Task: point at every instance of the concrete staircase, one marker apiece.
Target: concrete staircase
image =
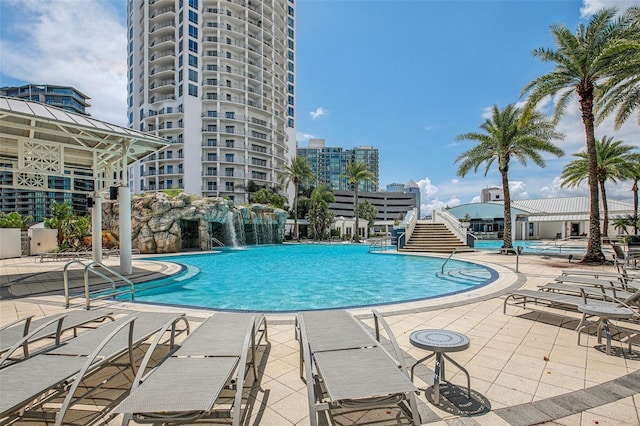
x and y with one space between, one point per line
435 238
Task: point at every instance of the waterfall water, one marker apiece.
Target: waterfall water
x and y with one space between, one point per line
231 229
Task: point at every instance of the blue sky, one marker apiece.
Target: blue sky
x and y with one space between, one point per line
404 76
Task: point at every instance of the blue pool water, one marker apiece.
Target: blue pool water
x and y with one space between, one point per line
538 247
285 278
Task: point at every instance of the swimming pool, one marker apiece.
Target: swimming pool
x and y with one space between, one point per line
539 247
286 278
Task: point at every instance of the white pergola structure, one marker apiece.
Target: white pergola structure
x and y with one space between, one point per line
38 141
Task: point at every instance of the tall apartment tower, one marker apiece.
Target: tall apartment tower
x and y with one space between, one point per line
329 164
217 79
65 97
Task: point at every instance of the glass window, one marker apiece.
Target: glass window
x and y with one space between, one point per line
193 17
193 75
193 31
228 158
193 60
193 46
193 90
193 3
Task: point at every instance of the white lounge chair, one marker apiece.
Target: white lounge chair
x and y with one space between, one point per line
343 365
186 385
25 386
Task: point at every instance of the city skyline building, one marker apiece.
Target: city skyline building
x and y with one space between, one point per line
37 203
329 164
64 97
217 79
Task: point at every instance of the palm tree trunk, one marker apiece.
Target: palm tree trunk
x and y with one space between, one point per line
605 210
295 214
508 240
594 244
356 235
635 205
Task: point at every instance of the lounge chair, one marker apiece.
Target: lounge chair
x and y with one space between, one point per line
625 258
186 385
27 385
344 366
26 330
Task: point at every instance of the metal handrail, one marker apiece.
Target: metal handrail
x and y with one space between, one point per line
215 240
90 268
448 259
65 280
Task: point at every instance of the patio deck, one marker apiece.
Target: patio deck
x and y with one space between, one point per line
526 367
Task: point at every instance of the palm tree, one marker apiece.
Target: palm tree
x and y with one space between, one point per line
61 215
582 61
357 172
506 135
622 90
634 175
320 217
613 162
296 173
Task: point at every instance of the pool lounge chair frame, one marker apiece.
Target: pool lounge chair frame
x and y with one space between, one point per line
185 386
28 385
22 332
344 366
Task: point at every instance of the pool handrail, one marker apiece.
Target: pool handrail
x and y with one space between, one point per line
90 267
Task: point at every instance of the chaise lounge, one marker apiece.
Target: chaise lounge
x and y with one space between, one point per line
344 366
26 386
187 384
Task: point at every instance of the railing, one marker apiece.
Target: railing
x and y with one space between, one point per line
380 244
101 293
452 223
214 242
447 261
410 220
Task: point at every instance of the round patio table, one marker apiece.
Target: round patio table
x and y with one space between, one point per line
440 342
604 311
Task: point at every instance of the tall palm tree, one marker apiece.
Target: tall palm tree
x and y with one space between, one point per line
582 61
357 172
634 175
506 135
299 171
621 91
613 163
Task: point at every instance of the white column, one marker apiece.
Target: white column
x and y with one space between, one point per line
124 198
96 228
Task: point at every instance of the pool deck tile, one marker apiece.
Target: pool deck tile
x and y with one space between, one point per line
527 365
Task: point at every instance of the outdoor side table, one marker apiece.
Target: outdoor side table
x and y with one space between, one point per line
604 312
440 342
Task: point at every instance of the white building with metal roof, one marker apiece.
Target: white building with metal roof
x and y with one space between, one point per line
544 218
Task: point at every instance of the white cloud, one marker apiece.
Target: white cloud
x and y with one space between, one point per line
590 7
301 137
427 189
476 199
319 112
73 43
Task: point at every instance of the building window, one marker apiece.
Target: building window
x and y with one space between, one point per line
193 17
193 31
228 186
228 158
193 75
193 4
230 114
228 171
193 60
193 90
193 46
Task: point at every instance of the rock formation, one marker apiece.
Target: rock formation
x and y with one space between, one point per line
161 223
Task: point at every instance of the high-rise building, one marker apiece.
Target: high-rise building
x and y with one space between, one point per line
64 97
37 203
217 79
329 164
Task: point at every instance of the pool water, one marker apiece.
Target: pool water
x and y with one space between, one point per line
538 247
285 278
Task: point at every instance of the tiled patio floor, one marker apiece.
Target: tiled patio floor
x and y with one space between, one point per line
526 366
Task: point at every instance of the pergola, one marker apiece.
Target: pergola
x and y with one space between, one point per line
38 141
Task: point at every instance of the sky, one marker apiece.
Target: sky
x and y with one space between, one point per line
404 76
